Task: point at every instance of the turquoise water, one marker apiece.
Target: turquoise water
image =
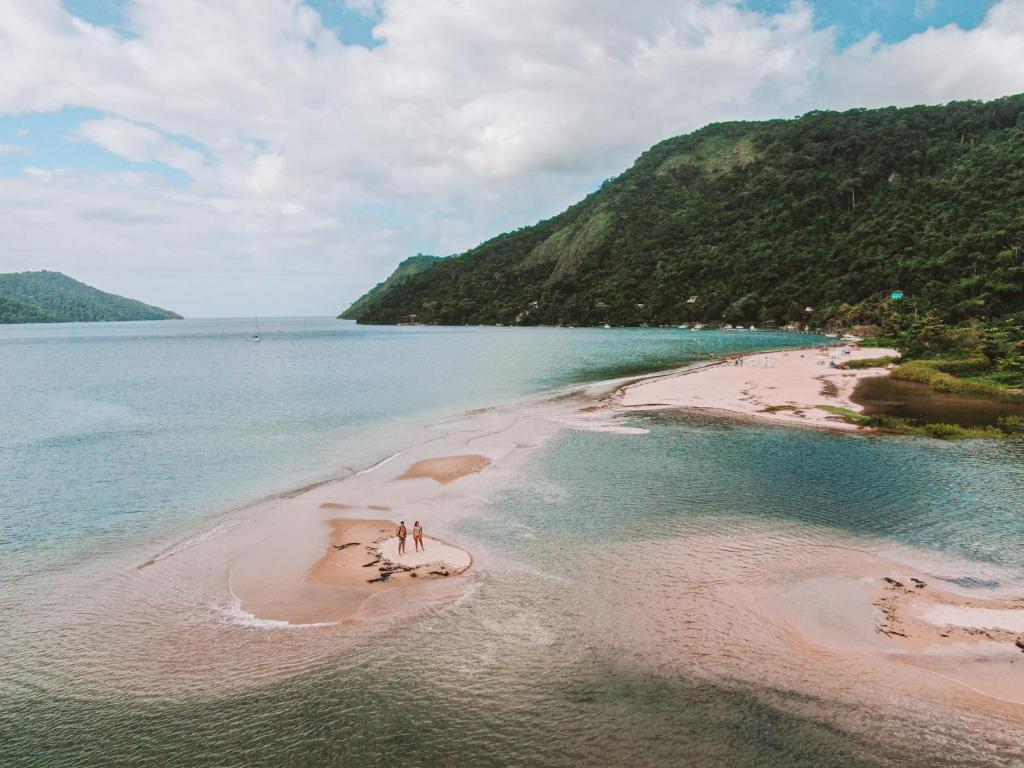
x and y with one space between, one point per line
576 647
112 433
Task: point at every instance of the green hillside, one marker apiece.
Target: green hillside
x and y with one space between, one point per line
12 311
52 297
754 222
411 266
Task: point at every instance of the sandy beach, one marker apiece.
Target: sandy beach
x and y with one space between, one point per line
366 552
786 387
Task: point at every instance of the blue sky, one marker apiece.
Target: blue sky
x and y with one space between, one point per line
220 160
352 27
894 20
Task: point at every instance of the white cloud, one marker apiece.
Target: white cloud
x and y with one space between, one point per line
12 149
140 144
936 66
471 116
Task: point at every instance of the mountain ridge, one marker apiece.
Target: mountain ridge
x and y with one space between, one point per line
53 297
757 222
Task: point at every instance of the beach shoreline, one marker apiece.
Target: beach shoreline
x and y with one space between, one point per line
783 387
324 558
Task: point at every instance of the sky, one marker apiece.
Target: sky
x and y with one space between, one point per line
279 157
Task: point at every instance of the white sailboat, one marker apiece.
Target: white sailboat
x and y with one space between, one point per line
256 336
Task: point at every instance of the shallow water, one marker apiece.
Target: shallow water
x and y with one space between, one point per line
885 396
608 623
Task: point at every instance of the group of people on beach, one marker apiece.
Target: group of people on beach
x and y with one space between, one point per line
417 536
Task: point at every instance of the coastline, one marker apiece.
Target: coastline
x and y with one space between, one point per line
783 387
312 559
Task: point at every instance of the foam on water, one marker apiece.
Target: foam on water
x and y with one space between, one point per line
235 614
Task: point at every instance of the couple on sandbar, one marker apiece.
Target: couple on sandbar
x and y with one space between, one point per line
417 536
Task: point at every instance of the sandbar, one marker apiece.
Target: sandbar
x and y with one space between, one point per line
446 469
786 387
366 552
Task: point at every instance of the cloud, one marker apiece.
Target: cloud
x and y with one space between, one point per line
936 66
318 165
12 149
139 144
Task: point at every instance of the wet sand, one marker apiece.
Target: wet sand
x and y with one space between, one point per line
783 387
784 607
871 607
327 555
446 469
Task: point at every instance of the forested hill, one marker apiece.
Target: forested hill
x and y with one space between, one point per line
411 266
52 297
754 222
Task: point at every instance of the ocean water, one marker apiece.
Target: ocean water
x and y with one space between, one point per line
605 627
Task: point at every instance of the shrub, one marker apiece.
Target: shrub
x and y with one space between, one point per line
872 362
915 370
962 366
944 431
929 372
1012 425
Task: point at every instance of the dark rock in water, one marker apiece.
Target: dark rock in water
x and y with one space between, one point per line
918 584
439 573
371 564
1020 644
382 577
895 583
346 546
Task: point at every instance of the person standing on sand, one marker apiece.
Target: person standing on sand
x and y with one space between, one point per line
417 536
401 533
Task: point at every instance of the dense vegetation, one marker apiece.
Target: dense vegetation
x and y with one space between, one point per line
982 358
411 266
756 222
52 297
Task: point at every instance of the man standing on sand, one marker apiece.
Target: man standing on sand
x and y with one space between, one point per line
401 533
417 536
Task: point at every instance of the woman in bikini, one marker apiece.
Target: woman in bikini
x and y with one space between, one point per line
417 536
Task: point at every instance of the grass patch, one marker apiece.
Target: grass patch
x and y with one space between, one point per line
872 362
1009 427
939 375
847 415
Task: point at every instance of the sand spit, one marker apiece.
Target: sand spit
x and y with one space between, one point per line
446 469
872 608
784 387
366 552
328 555
918 615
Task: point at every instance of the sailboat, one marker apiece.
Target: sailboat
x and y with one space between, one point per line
256 336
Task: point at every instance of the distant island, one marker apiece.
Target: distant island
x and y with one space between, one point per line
834 218
53 297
